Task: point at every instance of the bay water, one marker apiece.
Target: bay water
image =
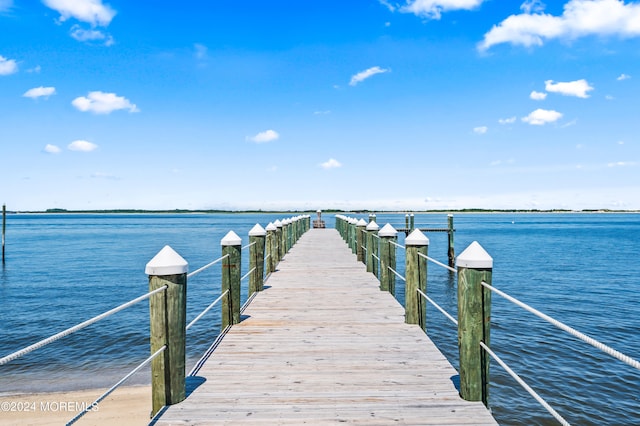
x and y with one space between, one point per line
581 268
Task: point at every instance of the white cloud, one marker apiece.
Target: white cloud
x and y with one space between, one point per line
388 5
39 92
82 146
578 88
103 103
363 75
200 51
90 11
331 163
480 130
7 66
509 120
52 149
623 77
81 34
432 9
321 112
540 117
579 18
621 164
264 137
5 5
538 96
35 69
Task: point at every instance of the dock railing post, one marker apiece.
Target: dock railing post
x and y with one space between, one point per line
372 247
4 227
353 239
416 276
232 249
474 322
278 241
387 257
257 235
167 312
360 239
271 258
451 252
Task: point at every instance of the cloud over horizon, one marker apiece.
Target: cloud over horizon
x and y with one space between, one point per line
541 117
363 75
39 92
82 146
578 88
331 163
264 137
7 66
103 103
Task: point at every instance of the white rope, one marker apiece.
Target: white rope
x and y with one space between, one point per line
75 328
249 245
438 307
117 385
248 273
593 342
207 309
526 387
376 257
437 262
207 266
397 274
397 245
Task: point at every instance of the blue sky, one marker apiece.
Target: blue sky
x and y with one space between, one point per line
418 104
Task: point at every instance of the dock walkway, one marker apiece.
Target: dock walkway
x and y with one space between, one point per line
323 345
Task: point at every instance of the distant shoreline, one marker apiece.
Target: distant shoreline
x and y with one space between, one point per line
328 211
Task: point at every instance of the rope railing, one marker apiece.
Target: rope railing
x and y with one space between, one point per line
397 245
247 274
207 266
526 387
397 274
438 263
116 386
207 309
589 340
438 307
248 245
77 327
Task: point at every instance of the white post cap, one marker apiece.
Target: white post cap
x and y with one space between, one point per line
271 227
372 226
416 238
475 257
167 262
257 231
388 231
231 239
361 222
278 224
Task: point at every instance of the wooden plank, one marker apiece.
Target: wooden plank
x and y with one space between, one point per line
323 345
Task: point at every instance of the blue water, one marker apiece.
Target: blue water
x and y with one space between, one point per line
580 268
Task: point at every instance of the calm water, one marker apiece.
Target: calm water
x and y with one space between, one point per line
581 268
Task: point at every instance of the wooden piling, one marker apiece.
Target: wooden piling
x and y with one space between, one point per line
360 239
278 241
416 278
372 246
257 236
474 322
451 252
167 311
387 258
232 248
4 227
271 247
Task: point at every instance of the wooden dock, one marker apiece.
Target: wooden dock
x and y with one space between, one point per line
323 345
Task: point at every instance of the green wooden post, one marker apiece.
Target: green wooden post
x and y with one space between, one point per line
257 235
416 276
372 247
278 241
4 227
168 315
451 252
271 257
387 257
360 239
352 236
232 248
406 224
474 322
412 223
285 237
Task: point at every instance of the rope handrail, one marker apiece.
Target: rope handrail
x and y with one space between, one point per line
117 385
438 262
438 307
526 387
397 245
248 273
397 274
207 266
207 309
377 258
77 327
589 340
248 245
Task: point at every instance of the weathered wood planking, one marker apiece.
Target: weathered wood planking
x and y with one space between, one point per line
323 345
